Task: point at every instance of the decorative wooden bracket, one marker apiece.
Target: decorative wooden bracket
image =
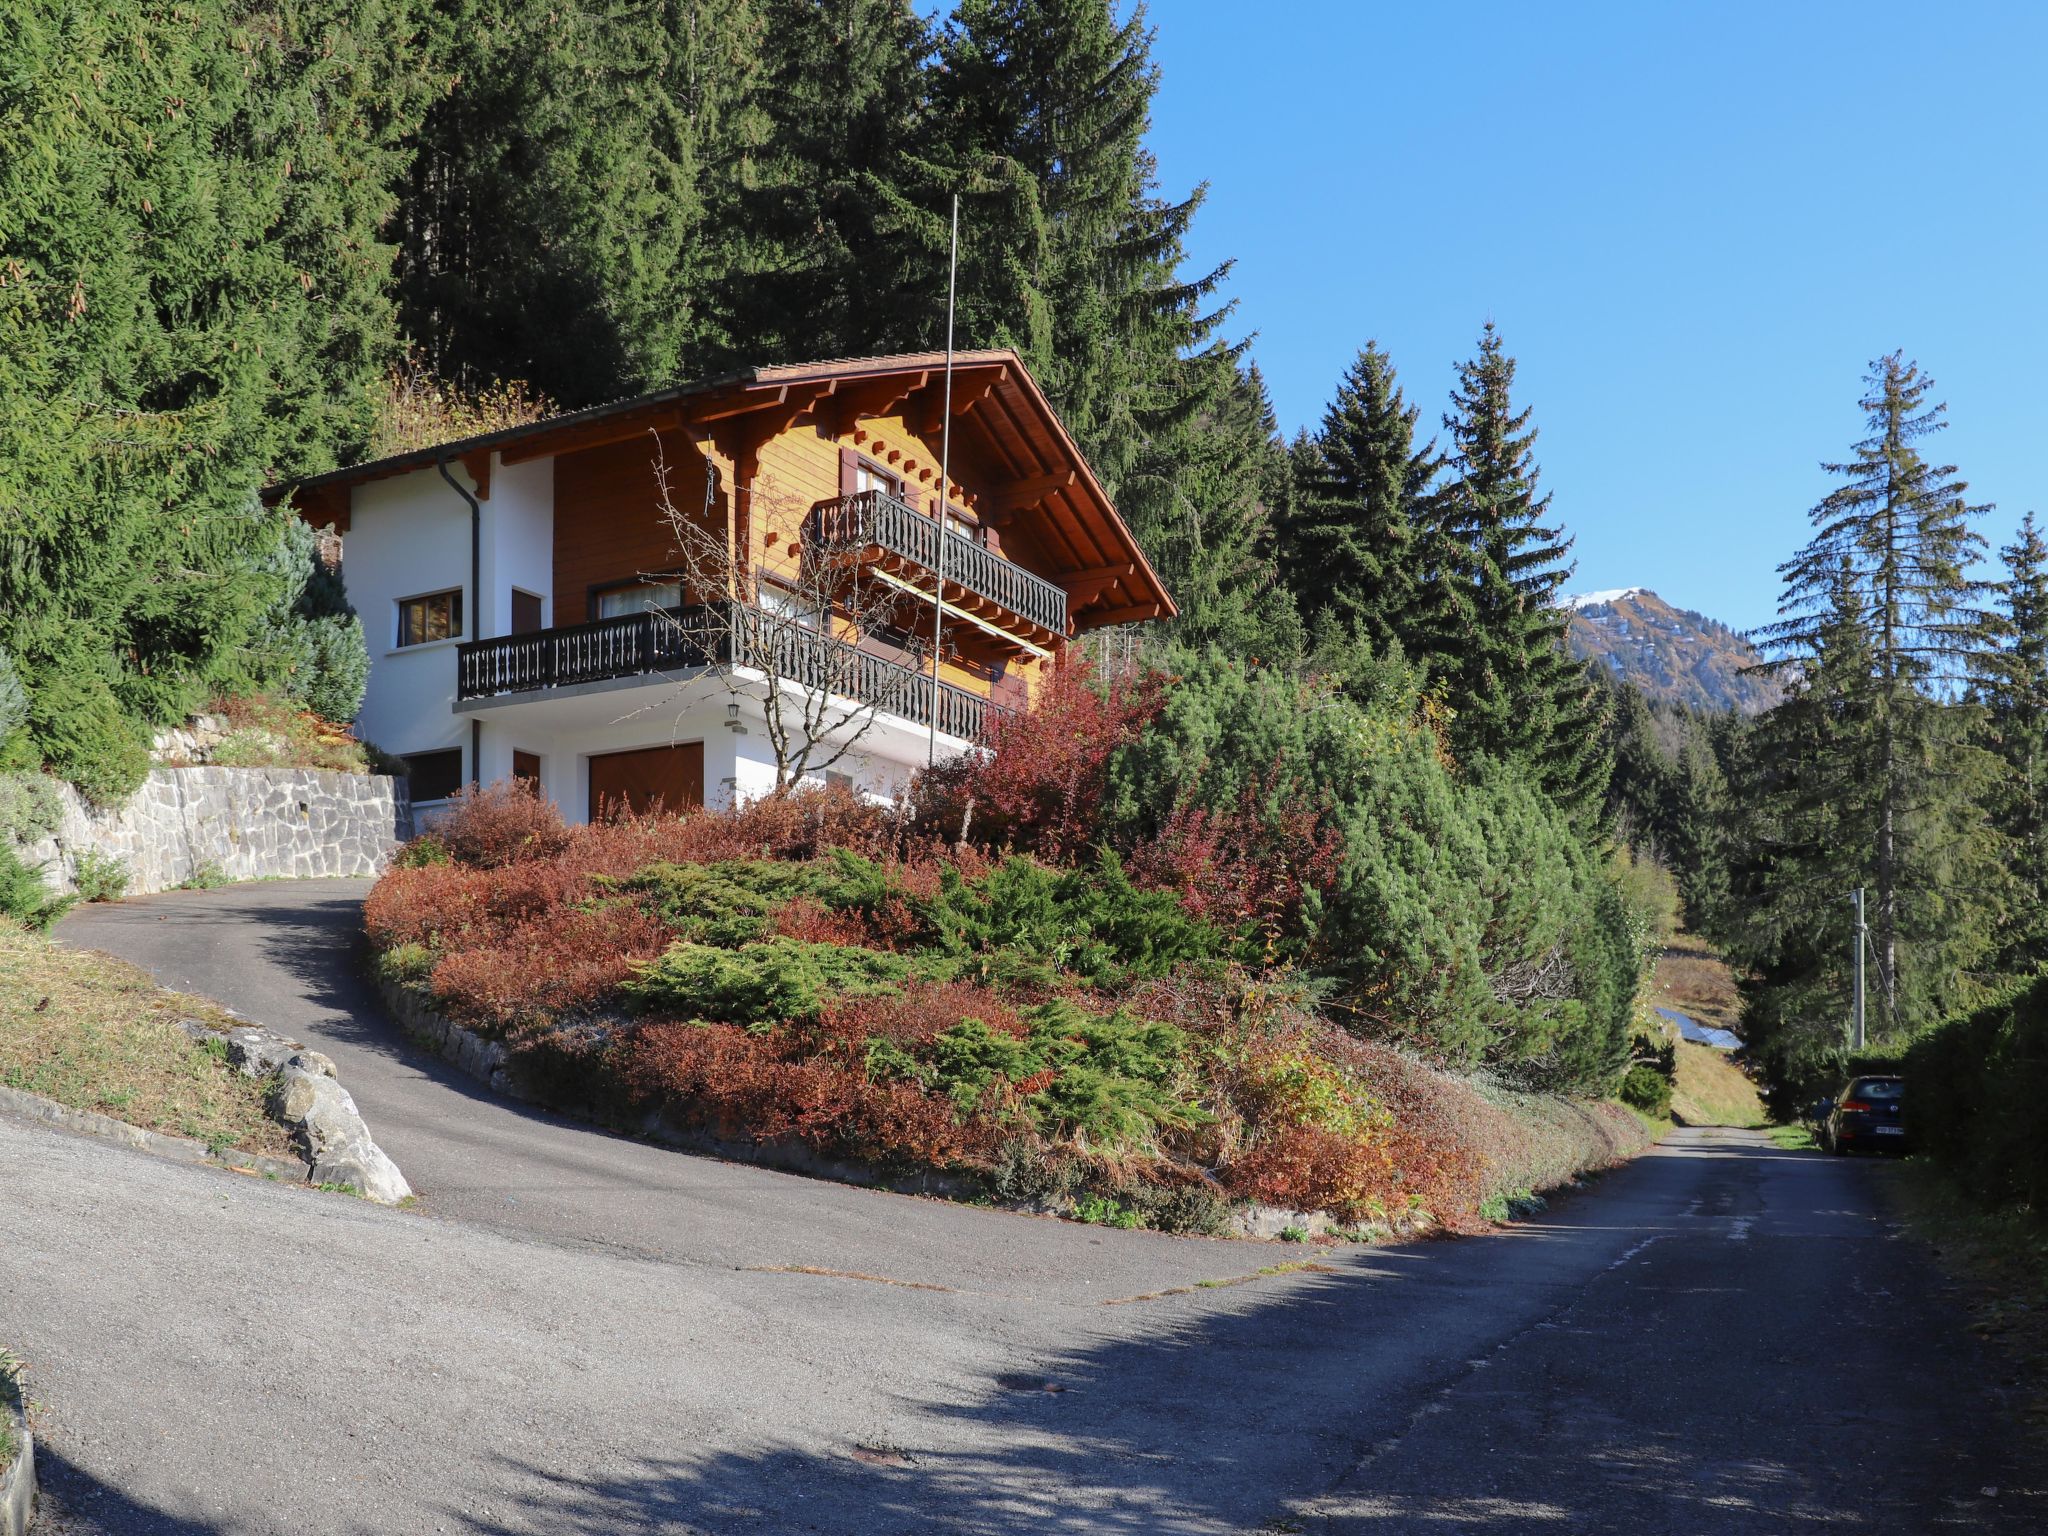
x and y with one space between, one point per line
1083 585
1020 494
478 463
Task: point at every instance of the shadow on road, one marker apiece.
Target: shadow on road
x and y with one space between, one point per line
74 1501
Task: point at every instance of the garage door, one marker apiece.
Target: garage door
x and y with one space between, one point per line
655 778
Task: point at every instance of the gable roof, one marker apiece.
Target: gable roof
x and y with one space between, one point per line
1092 549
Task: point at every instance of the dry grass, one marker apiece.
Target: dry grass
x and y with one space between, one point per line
10 1404
1709 1089
1693 979
96 1034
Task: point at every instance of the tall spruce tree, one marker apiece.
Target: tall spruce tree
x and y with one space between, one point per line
1806 820
815 265
1890 556
1209 491
1068 253
2012 684
192 285
1353 545
1490 594
560 222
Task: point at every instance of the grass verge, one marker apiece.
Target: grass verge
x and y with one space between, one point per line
2000 1258
1792 1138
94 1033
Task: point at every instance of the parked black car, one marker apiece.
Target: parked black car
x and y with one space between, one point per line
1868 1115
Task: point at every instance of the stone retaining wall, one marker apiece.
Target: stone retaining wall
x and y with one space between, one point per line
204 825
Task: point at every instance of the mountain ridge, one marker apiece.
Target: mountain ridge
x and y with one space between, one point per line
1670 653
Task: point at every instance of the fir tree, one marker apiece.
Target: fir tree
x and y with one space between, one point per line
1489 596
1352 545
2012 684
1205 503
197 298
560 222
815 267
1067 251
1889 558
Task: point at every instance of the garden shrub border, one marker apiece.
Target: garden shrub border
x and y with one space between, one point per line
493 1063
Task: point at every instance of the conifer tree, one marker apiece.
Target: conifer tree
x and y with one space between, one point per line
815 267
1890 555
1202 502
2012 684
560 221
1490 591
1068 253
1353 543
197 298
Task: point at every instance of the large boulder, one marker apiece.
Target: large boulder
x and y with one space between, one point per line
329 1130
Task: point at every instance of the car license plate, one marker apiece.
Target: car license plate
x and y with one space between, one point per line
1890 1130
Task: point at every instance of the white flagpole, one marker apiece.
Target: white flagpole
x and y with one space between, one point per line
945 473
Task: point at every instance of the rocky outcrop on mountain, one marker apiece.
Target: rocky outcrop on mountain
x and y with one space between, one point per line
1669 653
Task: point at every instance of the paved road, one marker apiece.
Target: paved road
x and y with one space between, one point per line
1720 1338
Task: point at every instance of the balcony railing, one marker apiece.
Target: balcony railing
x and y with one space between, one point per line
713 634
872 519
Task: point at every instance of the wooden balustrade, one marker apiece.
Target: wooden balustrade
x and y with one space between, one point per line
720 634
875 519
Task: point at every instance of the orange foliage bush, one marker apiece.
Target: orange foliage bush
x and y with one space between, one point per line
751 1087
498 824
565 961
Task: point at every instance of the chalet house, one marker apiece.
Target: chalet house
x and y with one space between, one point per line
538 605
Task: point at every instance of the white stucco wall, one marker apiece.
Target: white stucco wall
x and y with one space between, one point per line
407 536
519 542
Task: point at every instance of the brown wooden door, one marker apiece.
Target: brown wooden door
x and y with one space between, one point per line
663 778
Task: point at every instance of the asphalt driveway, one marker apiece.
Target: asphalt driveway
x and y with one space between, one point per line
581 1334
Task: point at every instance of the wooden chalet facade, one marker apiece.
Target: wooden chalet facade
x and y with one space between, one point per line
531 612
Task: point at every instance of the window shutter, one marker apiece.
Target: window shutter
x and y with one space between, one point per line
913 497
849 471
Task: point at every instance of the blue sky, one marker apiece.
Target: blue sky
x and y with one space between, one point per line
1695 227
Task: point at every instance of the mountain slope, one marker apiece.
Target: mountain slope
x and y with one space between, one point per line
1669 653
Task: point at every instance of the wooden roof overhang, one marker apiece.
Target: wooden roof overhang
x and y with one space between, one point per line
1032 468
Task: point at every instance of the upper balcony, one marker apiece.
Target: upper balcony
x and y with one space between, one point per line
881 531
660 643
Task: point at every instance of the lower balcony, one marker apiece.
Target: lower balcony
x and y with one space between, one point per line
676 640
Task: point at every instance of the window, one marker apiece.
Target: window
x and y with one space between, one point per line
525 612
526 769
433 775
437 616
637 597
872 477
787 603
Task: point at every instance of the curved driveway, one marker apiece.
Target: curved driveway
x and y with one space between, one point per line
585 1335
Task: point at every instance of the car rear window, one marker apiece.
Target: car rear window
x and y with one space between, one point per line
1878 1088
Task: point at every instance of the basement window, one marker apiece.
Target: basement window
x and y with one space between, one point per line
434 616
433 775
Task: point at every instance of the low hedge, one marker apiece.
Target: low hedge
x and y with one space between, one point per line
1977 1085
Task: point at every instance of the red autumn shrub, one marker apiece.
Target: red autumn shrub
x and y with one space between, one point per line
920 1011
1308 1168
811 921
498 824
438 904
745 1086
561 963
1039 782
1250 869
